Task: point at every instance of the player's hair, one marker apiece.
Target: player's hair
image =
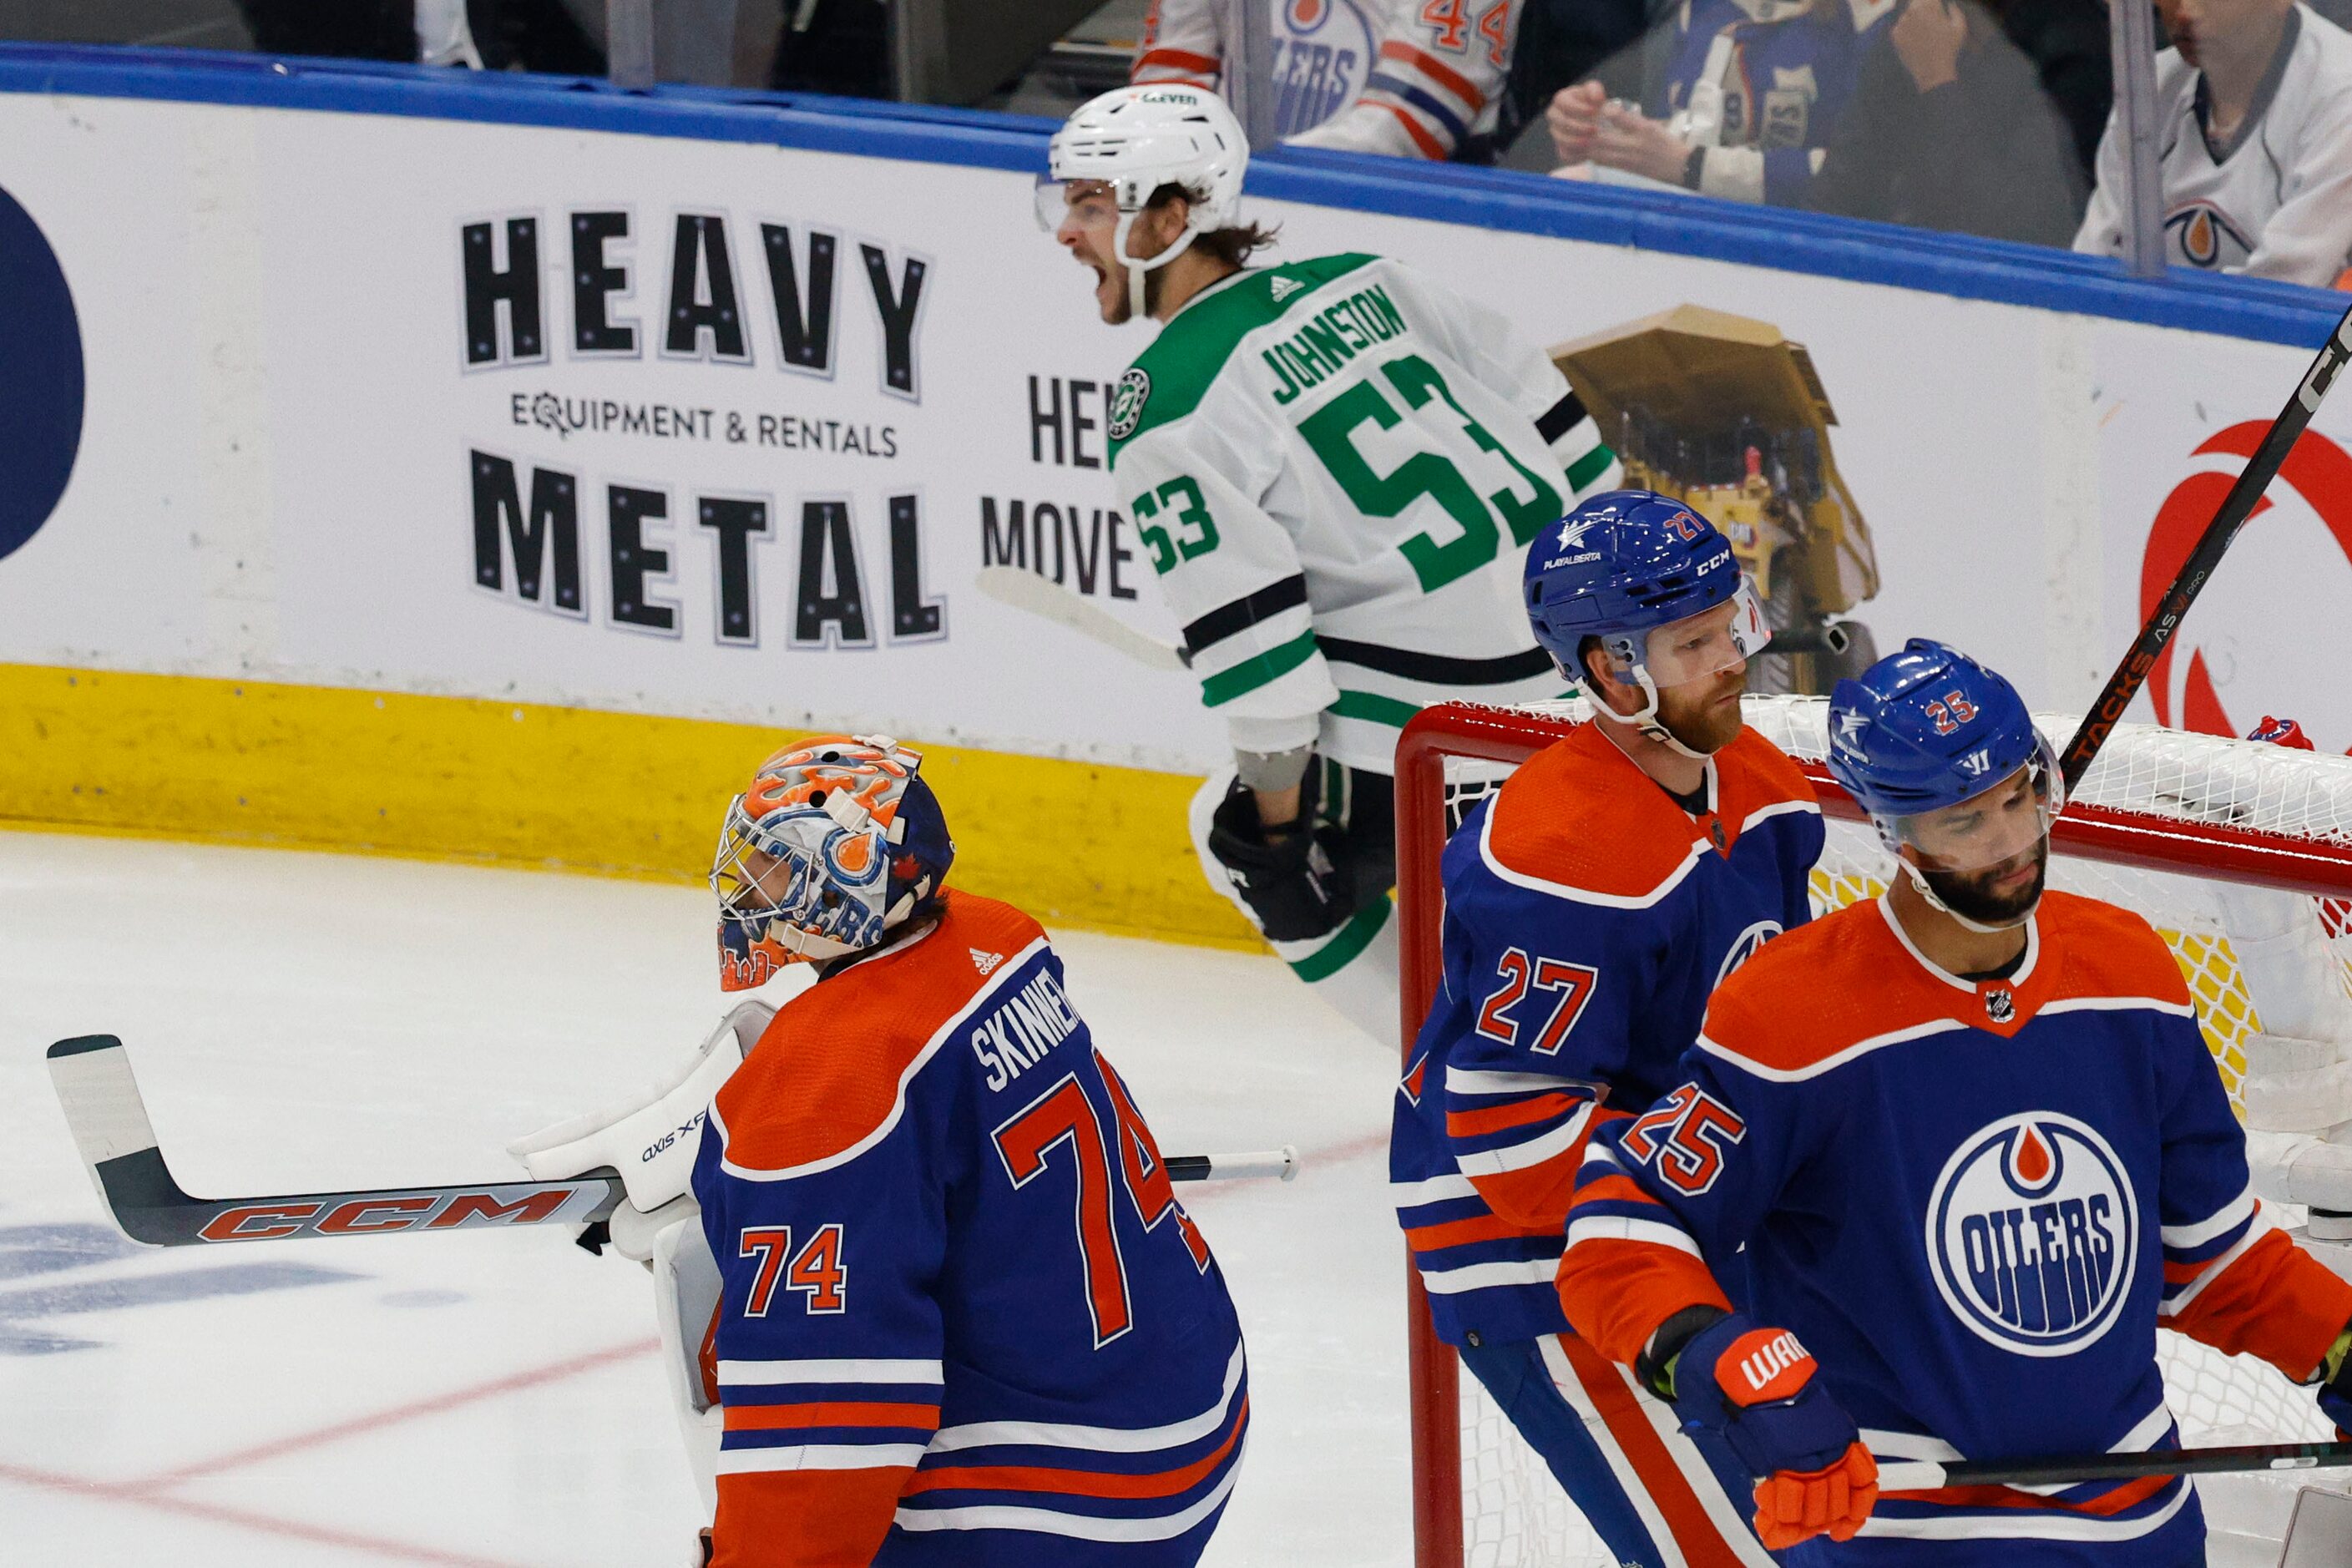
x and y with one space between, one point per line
1232 245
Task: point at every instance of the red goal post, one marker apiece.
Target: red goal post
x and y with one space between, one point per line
2311 854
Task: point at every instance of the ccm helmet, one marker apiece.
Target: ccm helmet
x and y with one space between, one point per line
1636 569
1134 140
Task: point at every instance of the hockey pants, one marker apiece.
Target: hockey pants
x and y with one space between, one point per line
1353 968
1657 1496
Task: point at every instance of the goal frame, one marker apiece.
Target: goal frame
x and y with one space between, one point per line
1483 733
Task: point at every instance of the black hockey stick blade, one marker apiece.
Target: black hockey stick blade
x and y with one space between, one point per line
2235 509
92 1074
1926 1475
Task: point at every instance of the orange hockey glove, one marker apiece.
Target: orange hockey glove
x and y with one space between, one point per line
1794 1506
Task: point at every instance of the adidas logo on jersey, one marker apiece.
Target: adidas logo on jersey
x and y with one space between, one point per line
985 961
1284 288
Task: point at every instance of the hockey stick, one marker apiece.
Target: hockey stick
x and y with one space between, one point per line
1926 1475
1026 590
2235 509
110 1125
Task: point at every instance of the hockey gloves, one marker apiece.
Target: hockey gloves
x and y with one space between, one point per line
1756 1387
1298 881
2335 1383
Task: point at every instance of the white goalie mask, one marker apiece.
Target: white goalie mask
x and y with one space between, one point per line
1118 149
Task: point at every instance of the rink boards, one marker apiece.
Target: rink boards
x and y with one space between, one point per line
489 470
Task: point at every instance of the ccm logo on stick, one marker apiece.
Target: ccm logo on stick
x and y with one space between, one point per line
385 1212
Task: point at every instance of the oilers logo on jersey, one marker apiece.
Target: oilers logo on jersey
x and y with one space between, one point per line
1745 945
2206 236
2030 1229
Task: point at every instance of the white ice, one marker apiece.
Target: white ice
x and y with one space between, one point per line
311 1022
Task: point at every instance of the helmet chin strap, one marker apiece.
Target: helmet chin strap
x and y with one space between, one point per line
1919 885
1645 719
1136 267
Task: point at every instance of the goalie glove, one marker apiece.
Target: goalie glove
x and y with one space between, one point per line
1758 1388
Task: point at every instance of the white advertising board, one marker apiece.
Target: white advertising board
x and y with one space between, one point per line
727 429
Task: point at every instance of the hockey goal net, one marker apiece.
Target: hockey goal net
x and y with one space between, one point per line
2165 823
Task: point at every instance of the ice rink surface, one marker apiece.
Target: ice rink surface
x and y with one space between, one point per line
306 1022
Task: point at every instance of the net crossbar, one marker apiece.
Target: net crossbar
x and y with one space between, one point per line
2165 823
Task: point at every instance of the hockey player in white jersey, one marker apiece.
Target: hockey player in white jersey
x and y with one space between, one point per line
1336 464
2253 105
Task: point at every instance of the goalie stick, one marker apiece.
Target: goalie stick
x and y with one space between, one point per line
2231 515
101 1102
1926 1475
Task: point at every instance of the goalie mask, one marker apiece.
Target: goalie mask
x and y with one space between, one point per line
1942 754
836 842
1114 150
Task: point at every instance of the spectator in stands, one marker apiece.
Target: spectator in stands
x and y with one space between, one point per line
1950 128
2254 127
1739 99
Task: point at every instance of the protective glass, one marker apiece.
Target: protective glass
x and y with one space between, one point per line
1989 827
1707 643
1090 202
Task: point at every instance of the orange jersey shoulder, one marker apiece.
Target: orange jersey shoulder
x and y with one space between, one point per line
1812 996
2105 949
830 1073
1579 813
1755 775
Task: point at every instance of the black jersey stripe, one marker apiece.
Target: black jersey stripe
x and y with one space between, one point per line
1438 669
1560 418
1245 613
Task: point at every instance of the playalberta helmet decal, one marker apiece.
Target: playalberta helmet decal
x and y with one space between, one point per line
2031 1233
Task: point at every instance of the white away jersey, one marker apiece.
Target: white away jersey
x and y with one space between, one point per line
1337 466
2277 202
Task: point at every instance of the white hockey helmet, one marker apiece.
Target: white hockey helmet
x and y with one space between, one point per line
1136 139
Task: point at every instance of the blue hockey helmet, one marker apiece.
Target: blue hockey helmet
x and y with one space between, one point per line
1643 573
1929 728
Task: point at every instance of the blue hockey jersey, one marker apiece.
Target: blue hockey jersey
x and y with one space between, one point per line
1587 918
965 1320
1785 69
1974 1202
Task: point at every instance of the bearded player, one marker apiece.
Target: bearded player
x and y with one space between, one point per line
1334 464
921 1358
1969 1149
1591 905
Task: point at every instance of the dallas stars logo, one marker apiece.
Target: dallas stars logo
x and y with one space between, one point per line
1127 400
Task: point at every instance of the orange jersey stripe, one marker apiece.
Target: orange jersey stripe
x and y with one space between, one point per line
1477 1227
776 1417
1702 1543
803 1519
1614 1189
1081 1483
1431 147
1437 70
2129 1495
1518 1113
1178 60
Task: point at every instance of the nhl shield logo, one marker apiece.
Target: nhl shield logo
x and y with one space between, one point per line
2031 1232
2000 1003
1126 402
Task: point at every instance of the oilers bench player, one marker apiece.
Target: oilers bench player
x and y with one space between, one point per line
1332 463
1591 905
919 1357
2015 1079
